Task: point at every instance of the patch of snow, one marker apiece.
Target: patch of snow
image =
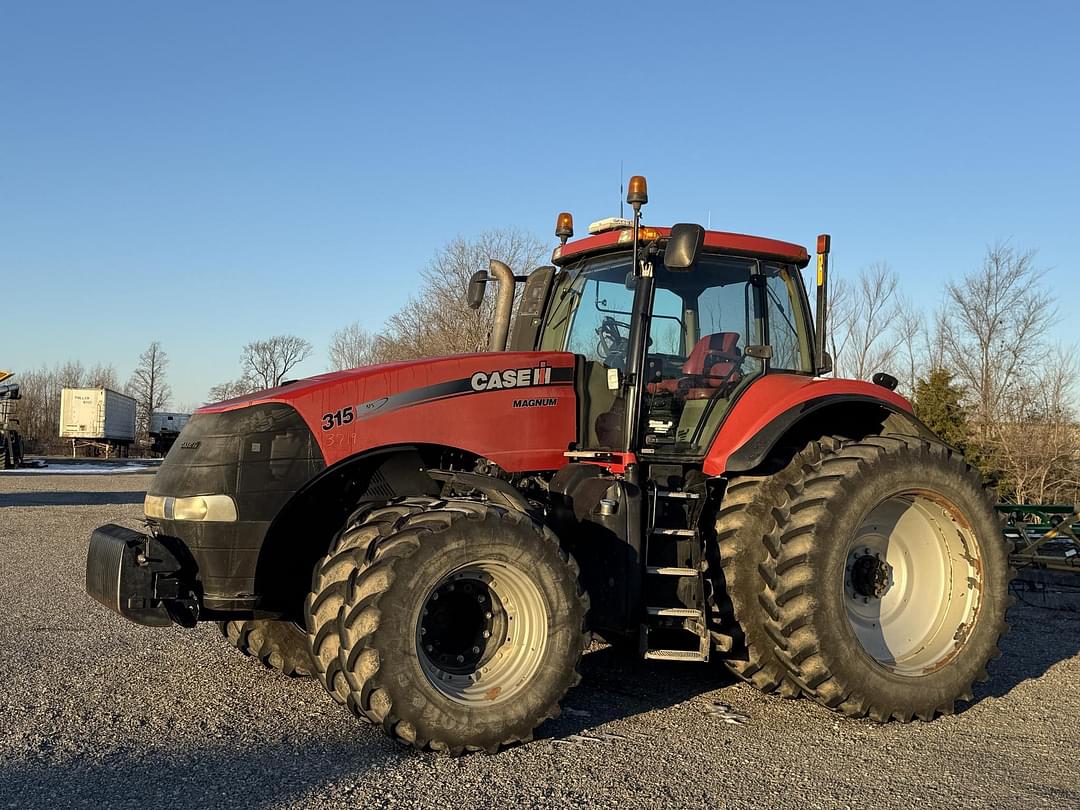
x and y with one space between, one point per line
85 469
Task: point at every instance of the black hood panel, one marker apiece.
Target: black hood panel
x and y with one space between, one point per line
260 455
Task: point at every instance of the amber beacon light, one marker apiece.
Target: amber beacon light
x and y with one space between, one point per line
564 226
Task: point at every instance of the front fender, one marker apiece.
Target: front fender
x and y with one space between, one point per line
775 404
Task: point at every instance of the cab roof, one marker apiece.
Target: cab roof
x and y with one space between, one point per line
715 242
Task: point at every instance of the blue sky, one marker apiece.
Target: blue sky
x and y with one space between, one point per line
208 173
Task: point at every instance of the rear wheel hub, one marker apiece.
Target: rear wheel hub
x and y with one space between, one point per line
869 576
911 582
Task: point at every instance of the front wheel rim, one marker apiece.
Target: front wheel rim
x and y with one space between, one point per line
912 583
482 633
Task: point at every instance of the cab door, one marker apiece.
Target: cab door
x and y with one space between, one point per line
702 325
600 316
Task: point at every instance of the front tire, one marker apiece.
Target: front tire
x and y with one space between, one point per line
465 630
348 552
280 645
888 591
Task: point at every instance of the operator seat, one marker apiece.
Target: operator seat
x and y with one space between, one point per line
714 362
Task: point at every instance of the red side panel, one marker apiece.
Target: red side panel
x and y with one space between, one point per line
770 396
516 408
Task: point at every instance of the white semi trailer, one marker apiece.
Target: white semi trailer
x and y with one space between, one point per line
165 426
98 418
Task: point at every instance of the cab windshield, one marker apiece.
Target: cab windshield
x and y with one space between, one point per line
701 325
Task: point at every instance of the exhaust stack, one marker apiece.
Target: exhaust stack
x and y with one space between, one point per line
504 305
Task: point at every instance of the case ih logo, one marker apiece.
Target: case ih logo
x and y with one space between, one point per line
511 378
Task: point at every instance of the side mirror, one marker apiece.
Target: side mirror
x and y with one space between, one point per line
885 380
683 247
474 296
826 364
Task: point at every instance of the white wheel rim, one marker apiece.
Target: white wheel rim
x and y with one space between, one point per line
486 596
912 582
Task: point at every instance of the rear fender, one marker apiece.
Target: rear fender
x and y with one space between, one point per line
784 409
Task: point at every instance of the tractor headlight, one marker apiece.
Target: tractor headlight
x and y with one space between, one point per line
210 508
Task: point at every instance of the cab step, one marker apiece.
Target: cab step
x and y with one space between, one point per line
675 532
671 571
678 612
676 655
672 493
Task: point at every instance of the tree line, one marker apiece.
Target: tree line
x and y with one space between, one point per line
981 368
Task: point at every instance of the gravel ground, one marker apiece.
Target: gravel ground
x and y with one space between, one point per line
98 712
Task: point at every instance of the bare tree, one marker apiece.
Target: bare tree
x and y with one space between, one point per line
910 331
437 320
863 320
231 389
351 346
148 385
39 408
71 375
1037 439
266 362
840 316
933 341
994 329
102 376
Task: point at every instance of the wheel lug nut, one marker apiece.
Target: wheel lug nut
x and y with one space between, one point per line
450 588
475 650
487 615
487 634
429 648
461 659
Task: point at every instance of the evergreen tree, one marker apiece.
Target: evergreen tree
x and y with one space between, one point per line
939 404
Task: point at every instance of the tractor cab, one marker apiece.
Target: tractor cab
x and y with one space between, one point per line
670 326
706 332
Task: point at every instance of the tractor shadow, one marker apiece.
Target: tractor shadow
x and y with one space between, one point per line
72 498
615 684
277 774
1038 639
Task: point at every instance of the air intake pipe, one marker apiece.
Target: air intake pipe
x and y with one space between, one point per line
504 305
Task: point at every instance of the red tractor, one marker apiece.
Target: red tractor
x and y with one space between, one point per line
649 452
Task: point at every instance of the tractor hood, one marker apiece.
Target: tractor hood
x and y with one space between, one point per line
515 408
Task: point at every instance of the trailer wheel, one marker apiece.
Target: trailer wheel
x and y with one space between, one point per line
889 588
348 552
748 526
279 645
465 630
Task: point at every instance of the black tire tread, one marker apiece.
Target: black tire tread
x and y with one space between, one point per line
748 527
360 618
278 644
329 582
786 576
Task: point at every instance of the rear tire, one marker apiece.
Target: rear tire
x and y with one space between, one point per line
348 553
887 594
465 630
279 645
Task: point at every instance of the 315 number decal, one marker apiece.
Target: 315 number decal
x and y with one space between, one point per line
338 418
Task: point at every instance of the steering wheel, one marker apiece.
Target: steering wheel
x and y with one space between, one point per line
611 345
